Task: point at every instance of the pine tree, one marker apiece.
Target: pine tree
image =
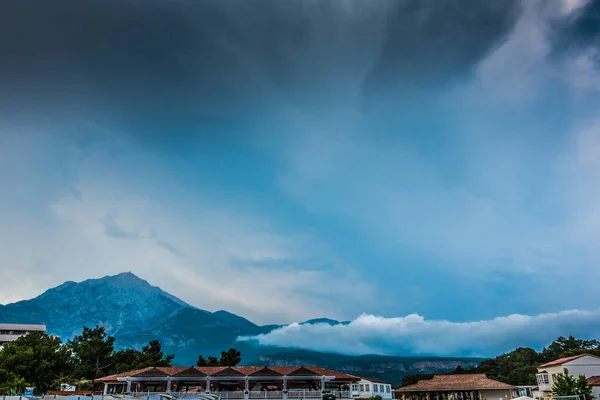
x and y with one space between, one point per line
568 385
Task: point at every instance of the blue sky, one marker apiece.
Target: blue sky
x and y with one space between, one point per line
291 160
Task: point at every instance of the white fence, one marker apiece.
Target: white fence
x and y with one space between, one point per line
275 394
230 395
304 394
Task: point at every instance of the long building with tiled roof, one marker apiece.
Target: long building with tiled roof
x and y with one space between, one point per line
240 382
457 387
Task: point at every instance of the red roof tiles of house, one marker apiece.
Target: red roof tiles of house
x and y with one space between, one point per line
564 360
284 370
335 374
455 382
210 370
122 375
216 371
594 380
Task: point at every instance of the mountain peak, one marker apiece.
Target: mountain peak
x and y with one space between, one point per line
126 278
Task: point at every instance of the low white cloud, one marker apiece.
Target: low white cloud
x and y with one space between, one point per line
415 335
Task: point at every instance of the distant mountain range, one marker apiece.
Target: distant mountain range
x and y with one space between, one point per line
135 312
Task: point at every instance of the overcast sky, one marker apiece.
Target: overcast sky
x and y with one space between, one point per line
286 160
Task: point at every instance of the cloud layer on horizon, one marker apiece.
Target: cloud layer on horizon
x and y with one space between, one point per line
415 335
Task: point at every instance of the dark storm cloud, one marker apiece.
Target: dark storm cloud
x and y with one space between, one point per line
176 60
431 43
580 32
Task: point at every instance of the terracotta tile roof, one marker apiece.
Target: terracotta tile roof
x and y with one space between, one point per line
112 378
455 382
172 370
228 371
337 375
211 370
191 371
222 371
594 380
284 370
563 360
249 370
264 371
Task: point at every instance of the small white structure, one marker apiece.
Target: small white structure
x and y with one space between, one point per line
65 387
583 364
370 387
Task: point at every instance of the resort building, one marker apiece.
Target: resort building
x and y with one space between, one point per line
457 387
11 332
243 382
583 364
370 387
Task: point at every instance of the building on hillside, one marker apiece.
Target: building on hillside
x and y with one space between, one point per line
11 332
583 364
457 387
243 382
371 387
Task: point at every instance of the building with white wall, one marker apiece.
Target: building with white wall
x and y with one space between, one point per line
371 387
583 364
11 332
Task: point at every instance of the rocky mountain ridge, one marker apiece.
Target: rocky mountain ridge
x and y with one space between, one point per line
135 312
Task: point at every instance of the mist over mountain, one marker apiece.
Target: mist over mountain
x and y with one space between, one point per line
135 312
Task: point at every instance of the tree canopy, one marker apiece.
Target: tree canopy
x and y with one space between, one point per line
229 358
34 359
93 350
568 385
565 347
43 361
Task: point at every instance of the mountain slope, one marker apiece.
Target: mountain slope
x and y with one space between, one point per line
388 368
131 310
135 312
122 303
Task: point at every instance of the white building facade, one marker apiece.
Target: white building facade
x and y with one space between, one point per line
584 364
369 387
11 332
